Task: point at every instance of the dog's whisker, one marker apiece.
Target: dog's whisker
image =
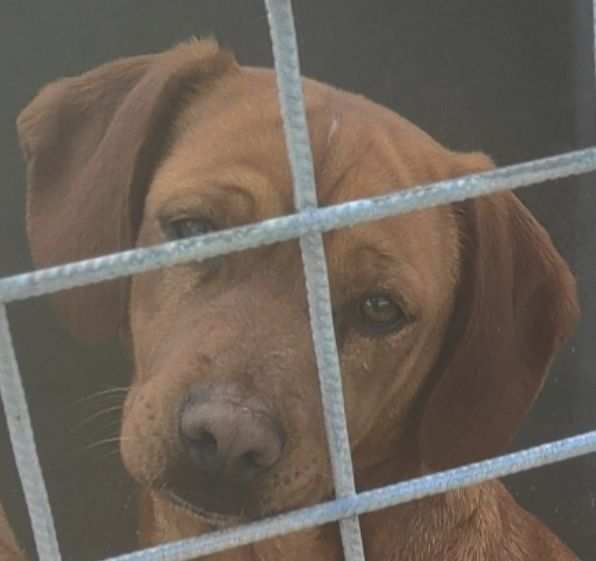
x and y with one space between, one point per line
105 442
109 430
111 454
97 415
115 424
116 392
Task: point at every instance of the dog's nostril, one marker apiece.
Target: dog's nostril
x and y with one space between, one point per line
251 459
206 443
249 465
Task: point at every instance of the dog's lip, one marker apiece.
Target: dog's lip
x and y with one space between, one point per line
214 519
218 520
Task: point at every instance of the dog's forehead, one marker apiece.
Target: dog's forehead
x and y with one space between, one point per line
230 139
232 136
359 148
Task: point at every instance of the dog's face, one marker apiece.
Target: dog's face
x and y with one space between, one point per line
448 316
235 331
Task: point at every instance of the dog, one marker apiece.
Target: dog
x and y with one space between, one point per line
447 319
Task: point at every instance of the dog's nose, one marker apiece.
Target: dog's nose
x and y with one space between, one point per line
230 441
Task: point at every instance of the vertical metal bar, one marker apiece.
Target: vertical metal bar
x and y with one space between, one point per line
289 80
23 445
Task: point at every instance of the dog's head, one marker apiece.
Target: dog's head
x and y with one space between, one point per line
447 319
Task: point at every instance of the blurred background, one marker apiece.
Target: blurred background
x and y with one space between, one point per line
511 78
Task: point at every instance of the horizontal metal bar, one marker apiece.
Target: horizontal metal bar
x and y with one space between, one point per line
54 279
369 501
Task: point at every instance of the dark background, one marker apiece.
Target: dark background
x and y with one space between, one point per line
511 78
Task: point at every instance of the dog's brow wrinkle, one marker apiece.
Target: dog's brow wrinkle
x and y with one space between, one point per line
381 258
238 191
354 162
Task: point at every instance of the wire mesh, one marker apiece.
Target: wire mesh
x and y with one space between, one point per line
307 224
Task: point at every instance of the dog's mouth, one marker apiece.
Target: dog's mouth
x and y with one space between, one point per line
219 520
223 507
222 502
215 519
217 500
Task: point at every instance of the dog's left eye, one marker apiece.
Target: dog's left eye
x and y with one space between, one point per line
189 227
381 313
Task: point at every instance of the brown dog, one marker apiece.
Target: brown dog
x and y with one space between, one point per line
447 319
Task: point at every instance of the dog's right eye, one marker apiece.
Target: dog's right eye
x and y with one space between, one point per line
382 314
188 228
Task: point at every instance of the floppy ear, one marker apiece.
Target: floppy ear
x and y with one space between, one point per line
516 305
91 144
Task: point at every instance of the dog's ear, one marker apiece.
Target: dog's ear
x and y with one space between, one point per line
91 144
516 305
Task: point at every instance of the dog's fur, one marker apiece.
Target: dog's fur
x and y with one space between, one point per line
117 155
9 550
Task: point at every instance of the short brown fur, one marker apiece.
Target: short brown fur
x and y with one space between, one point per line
117 154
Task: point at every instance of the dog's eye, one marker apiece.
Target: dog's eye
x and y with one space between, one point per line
189 227
381 313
